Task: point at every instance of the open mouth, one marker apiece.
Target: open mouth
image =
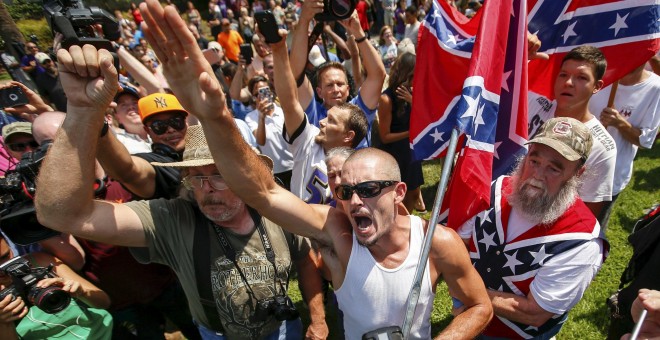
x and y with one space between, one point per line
363 222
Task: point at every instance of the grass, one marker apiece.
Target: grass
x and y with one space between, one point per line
590 318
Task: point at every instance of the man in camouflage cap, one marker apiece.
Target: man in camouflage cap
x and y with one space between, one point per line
537 247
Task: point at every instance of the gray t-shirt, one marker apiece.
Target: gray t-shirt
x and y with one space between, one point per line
169 230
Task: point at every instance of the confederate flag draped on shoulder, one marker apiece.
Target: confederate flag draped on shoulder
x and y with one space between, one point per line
458 81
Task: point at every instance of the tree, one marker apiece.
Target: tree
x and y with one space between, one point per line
9 32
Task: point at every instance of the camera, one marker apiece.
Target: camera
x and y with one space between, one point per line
19 221
50 299
76 23
12 96
336 10
279 306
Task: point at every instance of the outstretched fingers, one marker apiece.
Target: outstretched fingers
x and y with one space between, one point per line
154 15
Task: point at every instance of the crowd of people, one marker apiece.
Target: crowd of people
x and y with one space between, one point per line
185 195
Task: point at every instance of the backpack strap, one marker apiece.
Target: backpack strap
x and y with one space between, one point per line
202 260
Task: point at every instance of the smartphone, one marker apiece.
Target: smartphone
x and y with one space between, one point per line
268 26
264 93
246 53
12 96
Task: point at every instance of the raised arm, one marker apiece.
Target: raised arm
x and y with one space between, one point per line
134 173
190 76
299 49
64 198
451 260
138 71
373 65
285 87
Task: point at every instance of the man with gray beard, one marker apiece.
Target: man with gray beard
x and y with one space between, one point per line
537 247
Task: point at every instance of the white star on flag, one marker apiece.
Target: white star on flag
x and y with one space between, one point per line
569 32
620 23
437 136
487 240
539 256
512 262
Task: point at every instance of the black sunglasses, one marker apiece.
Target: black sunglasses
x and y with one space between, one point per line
159 127
364 190
20 147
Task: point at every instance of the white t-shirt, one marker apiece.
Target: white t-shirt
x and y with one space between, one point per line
639 104
411 32
598 177
309 180
275 147
133 143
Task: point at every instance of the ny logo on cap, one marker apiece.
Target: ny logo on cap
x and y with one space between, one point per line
562 128
160 102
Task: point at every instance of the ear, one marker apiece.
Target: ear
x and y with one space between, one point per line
581 171
318 92
348 138
599 86
146 129
400 190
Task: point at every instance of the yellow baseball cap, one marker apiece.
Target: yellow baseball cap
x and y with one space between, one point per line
157 103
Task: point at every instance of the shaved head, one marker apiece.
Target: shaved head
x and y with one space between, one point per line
387 167
45 126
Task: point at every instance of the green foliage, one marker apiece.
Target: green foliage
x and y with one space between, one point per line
21 9
40 29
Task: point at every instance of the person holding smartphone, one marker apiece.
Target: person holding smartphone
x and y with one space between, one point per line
267 124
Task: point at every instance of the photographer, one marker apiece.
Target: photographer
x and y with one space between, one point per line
83 317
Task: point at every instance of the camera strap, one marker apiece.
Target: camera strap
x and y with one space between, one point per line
265 241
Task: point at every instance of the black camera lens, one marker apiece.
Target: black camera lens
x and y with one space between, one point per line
341 8
284 309
51 299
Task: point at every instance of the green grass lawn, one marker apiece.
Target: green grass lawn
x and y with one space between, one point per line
590 318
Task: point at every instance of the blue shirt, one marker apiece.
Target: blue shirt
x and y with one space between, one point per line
316 112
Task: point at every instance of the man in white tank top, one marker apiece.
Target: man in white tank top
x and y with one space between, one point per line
369 240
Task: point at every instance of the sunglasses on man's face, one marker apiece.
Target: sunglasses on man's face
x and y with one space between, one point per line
159 127
20 147
363 190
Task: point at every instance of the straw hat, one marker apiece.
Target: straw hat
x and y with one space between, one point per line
197 151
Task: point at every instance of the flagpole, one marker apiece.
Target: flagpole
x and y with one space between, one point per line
413 296
610 100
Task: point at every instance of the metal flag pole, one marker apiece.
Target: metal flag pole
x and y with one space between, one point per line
413 297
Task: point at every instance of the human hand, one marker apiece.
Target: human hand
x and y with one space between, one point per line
317 330
352 25
70 286
265 107
611 117
88 77
188 73
309 9
404 93
533 46
648 300
12 309
35 106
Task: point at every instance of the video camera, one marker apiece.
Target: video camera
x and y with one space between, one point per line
17 216
76 23
24 278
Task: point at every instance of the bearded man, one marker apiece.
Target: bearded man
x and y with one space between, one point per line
537 247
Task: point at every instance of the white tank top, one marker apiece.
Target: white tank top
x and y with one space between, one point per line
373 297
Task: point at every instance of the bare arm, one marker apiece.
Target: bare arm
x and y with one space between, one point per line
135 173
356 63
64 199
260 132
339 42
311 287
373 64
66 248
522 309
299 46
385 121
285 87
655 64
236 87
450 259
138 71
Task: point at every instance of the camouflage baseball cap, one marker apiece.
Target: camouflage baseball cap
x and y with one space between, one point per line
16 127
568 136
